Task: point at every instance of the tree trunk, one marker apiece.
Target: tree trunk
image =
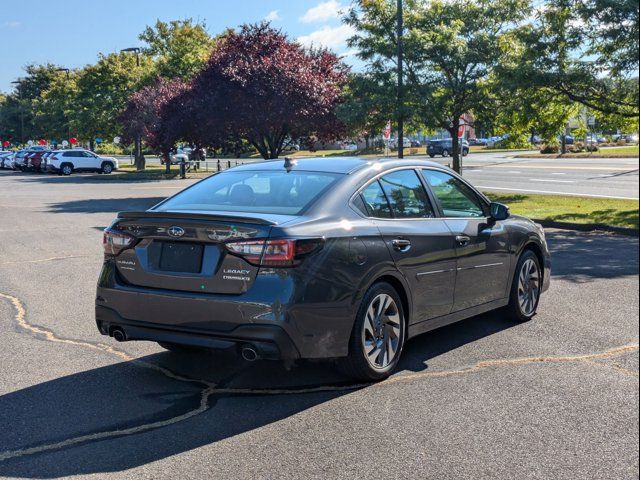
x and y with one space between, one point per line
167 162
139 157
92 144
366 142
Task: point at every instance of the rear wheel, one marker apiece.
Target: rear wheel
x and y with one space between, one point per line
526 288
378 335
66 169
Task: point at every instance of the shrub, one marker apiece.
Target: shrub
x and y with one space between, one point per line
550 148
592 148
107 148
513 141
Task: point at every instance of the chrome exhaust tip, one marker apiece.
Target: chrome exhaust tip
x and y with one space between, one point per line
119 335
249 353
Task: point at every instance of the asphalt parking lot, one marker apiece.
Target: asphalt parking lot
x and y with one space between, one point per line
554 398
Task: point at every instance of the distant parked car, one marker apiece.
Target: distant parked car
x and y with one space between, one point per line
19 161
182 154
568 139
65 162
406 143
415 144
34 161
5 160
444 147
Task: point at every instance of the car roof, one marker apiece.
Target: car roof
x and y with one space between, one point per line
343 165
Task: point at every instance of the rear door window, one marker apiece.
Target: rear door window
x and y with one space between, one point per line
407 197
456 199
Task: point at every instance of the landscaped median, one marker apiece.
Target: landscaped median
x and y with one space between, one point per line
574 212
630 151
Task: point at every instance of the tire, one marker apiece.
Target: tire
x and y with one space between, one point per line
465 152
445 153
107 168
525 289
181 349
66 169
431 155
378 335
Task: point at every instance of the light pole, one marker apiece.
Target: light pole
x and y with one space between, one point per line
400 99
138 139
68 122
19 82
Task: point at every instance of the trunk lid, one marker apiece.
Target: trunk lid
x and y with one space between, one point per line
185 251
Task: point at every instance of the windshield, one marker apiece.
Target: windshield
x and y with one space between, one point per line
278 193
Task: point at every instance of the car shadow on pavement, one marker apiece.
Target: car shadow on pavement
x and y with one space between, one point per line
125 395
586 256
105 205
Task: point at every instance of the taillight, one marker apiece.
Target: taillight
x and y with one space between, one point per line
114 241
275 253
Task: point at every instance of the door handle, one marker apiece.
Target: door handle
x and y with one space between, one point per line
463 240
401 244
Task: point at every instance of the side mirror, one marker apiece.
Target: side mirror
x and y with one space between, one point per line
499 211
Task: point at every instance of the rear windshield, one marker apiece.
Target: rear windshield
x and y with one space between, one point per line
278 193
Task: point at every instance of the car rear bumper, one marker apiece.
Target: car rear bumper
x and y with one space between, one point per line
274 315
269 341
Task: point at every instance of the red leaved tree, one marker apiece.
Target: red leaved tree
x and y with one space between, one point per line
145 115
260 86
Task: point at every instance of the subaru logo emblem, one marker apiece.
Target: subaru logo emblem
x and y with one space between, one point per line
176 231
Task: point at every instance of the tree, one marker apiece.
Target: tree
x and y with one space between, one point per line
368 100
144 115
103 91
451 50
54 106
180 48
260 86
19 109
580 54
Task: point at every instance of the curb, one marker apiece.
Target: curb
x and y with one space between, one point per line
588 227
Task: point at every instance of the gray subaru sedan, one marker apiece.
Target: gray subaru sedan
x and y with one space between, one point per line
340 258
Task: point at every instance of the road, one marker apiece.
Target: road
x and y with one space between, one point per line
502 172
553 398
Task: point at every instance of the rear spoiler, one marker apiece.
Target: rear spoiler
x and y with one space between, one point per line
194 216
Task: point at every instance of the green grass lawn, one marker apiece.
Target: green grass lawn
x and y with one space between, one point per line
629 149
583 210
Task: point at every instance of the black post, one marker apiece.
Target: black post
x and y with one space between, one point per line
400 105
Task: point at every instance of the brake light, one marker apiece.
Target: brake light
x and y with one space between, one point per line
275 253
115 241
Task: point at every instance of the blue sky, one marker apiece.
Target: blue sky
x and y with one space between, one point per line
71 33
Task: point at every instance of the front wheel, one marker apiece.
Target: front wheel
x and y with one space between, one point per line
378 335
107 168
445 153
526 288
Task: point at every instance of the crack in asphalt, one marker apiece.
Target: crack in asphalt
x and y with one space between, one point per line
43 260
211 388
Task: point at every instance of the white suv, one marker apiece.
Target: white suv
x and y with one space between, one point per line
65 162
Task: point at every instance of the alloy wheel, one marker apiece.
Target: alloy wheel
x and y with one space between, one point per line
382 331
528 287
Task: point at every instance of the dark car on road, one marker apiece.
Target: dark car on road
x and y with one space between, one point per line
317 258
444 147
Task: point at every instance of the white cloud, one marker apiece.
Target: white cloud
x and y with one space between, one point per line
11 24
323 12
273 16
330 37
